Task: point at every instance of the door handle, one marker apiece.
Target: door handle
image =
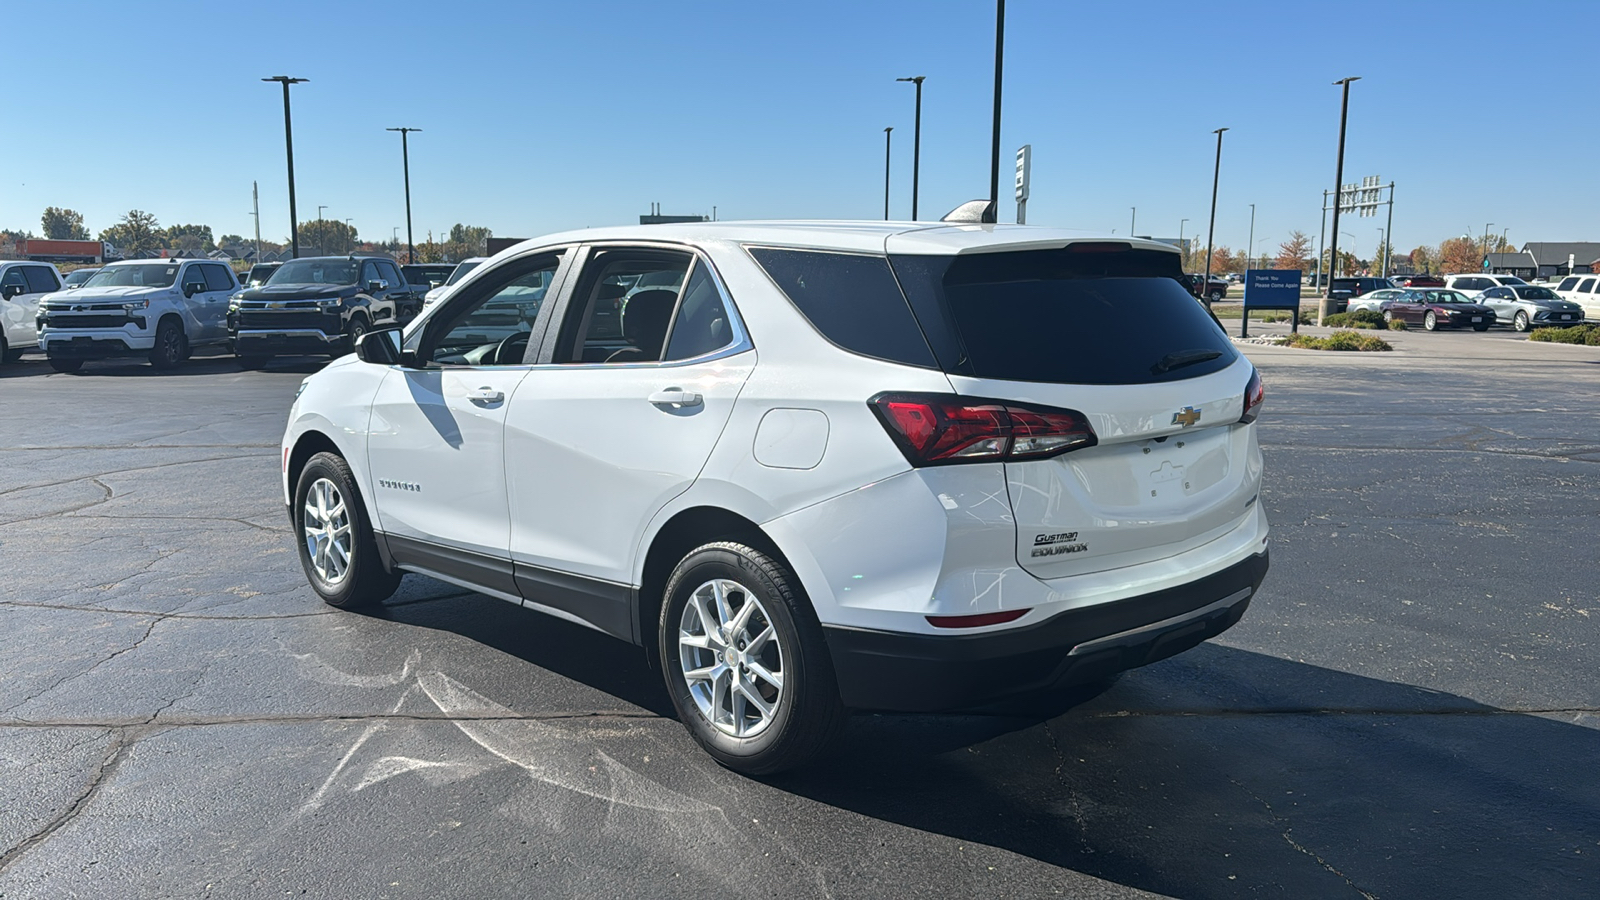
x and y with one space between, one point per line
677 398
485 395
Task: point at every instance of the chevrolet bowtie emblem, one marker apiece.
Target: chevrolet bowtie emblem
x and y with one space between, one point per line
1186 416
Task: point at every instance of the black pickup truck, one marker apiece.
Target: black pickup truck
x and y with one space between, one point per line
321 304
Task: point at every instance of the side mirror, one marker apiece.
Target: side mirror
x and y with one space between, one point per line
375 286
381 348
193 287
13 290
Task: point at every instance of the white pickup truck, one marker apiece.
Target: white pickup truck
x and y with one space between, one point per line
22 286
1583 290
161 309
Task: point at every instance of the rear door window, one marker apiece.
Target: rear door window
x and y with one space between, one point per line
1586 286
851 299
1085 314
218 278
702 324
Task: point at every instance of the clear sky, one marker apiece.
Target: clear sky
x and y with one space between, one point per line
541 116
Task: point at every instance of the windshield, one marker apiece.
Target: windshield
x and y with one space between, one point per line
1536 293
1509 279
316 271
461 272
137 275
79 277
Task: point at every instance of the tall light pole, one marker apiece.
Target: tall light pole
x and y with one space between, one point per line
1133 216
1383 252
1338 186
916 144
886 138
1250 254
1216 175
999 69
255 207
1182 247
288 143
1486 241
405 162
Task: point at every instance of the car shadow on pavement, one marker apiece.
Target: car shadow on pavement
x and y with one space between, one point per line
135 367
1224 772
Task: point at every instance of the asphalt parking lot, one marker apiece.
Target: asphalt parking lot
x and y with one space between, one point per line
1409 709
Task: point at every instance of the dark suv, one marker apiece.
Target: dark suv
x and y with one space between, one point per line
1342 289
321 304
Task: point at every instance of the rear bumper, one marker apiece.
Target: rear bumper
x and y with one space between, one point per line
925 673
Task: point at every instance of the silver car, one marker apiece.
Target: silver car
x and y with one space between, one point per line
1525 306
1373 300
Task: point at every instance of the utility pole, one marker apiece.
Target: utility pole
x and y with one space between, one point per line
1486 245
255 203
999 69
1250 255
1324 307
1205 286
405 162
916 145
288 142
1132 218
886 138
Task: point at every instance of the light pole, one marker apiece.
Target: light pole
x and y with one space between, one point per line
916 144
1250 254
288 143
1182 247
1383 252
1338 185
886 139
1133 216
405 162
1216 175
1486 244
999 68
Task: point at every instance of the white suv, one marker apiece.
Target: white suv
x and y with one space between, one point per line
22 286
1584 290
809 467
1473 285
160 309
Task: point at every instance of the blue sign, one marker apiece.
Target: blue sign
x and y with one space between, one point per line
1272 289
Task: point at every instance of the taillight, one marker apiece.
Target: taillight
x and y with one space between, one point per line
1254 393
944 429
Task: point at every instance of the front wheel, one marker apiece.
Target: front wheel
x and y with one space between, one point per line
1388 316
1430 321
1480 328
65 366
358 329
171 346
1519 322
744 661
337 547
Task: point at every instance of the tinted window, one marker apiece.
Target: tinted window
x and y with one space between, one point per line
390 274
369 273
1566 284
1076 317
701 324
1535 293
14 276
218 278
78 276
1586 286
136 275
852 300
41 280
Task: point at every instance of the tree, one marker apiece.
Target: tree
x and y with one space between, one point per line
1295 253
1461 254
327 236
467 240
231 240
63 224
1385 251
1224 261
193 238
1423 260
137 233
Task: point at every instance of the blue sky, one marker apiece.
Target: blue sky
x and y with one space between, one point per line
543 116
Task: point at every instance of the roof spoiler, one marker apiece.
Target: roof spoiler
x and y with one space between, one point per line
972 212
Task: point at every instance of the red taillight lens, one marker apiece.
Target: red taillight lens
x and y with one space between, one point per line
943 429
977 621
1254 393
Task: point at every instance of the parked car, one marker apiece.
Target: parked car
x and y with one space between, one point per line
877 513
1417 281
460 272
76 278
319 304
1373 302
260 274
1583 290
1527 306
427 276
1216 289
1342 290
22 286
1436 308
1471 285
160 309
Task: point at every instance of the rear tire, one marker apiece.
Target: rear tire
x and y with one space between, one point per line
1519 322
338 550
765 698
65 366
171 346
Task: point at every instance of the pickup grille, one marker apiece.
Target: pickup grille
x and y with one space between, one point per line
291 319
58 321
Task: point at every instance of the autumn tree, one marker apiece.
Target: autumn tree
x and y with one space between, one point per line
1423 259
63 224
1295 253
190 238
136 233
467 240
327 236
1460 254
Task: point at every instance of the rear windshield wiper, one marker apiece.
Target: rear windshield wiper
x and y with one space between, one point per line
1183 358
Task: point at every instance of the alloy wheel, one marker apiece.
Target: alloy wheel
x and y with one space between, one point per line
731 658
325 523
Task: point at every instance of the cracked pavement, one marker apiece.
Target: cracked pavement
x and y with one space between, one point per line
1408 709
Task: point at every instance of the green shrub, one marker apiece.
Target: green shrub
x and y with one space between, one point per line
1397 325
1340 340
1577 334
1361 318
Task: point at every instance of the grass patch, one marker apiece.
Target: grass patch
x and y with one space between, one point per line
1307 316
1340 340
1397 325
1577 334
1361 318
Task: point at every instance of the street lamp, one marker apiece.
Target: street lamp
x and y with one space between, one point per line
916 144
405 162
1216 175
320 208
886 139
999 68
1338 185
288 143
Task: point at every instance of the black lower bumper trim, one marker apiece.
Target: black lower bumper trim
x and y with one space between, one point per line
90 349
927 673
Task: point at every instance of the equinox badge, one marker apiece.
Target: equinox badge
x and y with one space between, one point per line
1186 416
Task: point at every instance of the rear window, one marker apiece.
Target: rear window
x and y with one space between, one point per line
1073 316
851 299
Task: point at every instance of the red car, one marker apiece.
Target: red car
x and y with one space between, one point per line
1420 281
1436 309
